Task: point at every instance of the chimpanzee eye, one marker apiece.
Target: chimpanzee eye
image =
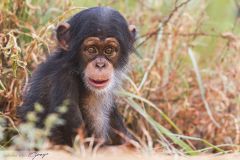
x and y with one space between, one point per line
92 50
109 51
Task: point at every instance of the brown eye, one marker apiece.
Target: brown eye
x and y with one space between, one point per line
92 50
109 51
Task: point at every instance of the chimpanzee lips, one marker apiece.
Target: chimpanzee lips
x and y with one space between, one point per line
98 83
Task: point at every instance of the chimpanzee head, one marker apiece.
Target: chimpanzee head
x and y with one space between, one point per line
100 40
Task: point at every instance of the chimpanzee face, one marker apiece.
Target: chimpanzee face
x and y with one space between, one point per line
102 40
100 56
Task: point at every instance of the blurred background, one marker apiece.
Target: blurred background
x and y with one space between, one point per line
182 93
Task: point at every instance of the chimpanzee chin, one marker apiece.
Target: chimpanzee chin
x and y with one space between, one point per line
86 68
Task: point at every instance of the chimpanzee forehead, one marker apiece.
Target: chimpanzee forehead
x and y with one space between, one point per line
96 40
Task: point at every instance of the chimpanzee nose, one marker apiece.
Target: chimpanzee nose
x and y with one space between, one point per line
100 63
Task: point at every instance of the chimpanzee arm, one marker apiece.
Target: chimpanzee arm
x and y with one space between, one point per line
117 129
66 88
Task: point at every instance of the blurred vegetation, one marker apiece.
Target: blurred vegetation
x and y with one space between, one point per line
183 90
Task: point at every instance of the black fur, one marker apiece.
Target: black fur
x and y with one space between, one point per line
60 77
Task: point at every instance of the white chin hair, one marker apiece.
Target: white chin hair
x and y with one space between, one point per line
101 91
104 90
113 84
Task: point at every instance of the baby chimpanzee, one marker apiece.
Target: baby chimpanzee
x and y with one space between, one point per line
87 66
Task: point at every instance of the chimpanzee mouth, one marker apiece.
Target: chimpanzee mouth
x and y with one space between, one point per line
98 83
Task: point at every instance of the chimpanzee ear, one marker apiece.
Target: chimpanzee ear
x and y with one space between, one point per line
133 31
63 35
